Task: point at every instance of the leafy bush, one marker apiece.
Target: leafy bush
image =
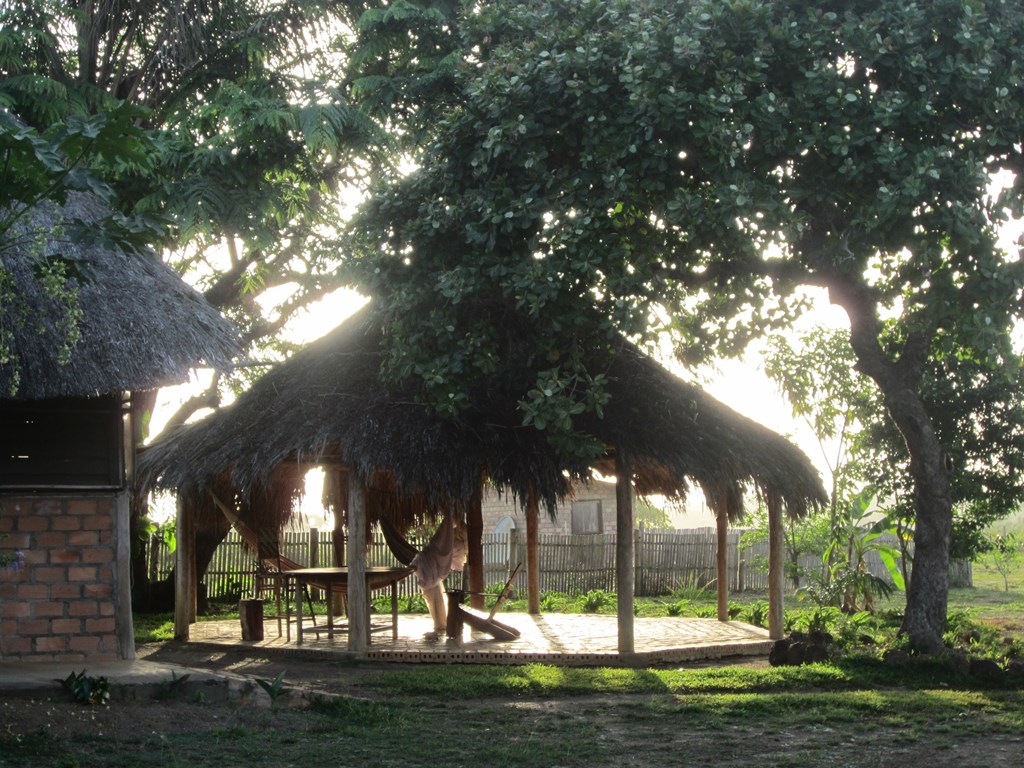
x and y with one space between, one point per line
595 600
87 689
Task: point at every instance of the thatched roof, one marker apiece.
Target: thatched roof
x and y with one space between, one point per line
141 326
328 403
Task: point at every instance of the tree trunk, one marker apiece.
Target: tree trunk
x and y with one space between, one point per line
899 380
928 590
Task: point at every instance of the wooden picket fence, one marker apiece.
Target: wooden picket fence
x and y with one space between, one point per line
571 564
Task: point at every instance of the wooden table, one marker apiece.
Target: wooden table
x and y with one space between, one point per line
335 580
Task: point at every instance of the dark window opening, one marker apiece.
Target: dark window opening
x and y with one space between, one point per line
62 443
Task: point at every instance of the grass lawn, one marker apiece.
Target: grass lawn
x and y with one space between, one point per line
857 713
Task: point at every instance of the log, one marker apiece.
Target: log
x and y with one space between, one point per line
250 612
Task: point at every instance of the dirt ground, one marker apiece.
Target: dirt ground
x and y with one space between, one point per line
639 730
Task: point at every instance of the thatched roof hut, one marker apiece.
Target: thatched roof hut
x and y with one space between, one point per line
140 327
327 404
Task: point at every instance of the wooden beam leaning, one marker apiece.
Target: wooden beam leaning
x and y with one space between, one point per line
625 551
358 597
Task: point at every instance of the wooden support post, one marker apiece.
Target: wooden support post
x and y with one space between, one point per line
722 558
184 572
313 558
775 575
336 479
625 552
475 536
532 554
358 602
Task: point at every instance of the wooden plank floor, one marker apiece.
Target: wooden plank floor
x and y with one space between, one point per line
567 639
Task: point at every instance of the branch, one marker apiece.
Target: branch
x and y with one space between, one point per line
210 398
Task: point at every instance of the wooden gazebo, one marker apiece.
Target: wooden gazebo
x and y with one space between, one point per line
389 456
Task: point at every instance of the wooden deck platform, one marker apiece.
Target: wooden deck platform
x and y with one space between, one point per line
564 639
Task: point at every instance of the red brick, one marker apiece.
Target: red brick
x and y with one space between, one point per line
35 556
106 609
13 541
97 590
65 556
82 507
48 507
32 524
49 575
82 573
84 608
99 625
67 626
50 644
6 524
15 645
49 540
33 592
83 539
97 523
106 538
106 574
84 643
98 555
9 610
8 627
34 627
47 609
66 591
65 523
98 657
8 589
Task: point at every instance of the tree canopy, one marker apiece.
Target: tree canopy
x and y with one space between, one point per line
618 167
250 136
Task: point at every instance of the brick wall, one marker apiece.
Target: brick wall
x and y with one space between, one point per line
70 601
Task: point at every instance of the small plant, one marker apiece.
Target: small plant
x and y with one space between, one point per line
87 689
595 600
1005 553
679 608
551 602
412 604
170 689
274 689
756 614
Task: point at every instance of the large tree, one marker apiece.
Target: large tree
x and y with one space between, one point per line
690 166
251 142
254 138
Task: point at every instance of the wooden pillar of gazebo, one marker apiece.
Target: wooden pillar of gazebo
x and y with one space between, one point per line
722 557
532 554
475 544
336 482
625 552
185 592
775 575
358 603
